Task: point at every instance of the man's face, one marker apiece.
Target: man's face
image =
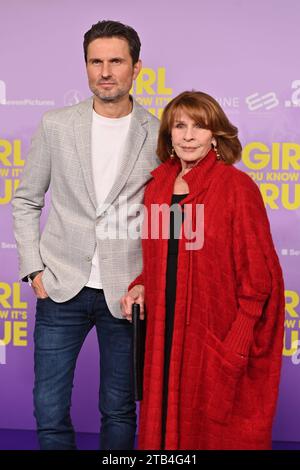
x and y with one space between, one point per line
109 68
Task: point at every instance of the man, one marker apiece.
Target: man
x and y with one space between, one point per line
93 155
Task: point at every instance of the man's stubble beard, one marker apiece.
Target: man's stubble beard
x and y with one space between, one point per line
109 99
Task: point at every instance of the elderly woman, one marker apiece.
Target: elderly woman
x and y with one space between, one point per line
215 302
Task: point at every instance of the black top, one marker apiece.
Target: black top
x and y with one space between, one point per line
176 218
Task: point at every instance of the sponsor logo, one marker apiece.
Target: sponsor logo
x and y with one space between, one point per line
23 101
266 101
2 92
72 97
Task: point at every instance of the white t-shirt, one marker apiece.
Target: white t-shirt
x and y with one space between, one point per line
108 140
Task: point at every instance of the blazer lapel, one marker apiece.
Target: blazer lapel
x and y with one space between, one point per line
83 132
134 142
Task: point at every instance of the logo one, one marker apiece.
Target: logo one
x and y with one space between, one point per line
2 92
72 97
267 101
2 352
296 349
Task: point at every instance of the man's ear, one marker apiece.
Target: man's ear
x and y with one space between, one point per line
137 68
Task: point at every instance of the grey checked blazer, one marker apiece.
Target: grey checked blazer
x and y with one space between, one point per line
60 158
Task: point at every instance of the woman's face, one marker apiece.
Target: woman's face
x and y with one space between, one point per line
190 141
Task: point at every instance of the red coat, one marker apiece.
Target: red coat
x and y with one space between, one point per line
229 317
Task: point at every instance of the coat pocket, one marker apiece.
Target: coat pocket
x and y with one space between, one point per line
219 375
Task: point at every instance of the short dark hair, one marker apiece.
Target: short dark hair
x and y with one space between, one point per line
109 29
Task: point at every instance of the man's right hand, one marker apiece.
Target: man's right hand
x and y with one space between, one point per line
38 287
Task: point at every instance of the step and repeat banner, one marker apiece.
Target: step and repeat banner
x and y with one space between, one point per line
243 53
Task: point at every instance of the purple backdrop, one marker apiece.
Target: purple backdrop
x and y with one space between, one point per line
243 53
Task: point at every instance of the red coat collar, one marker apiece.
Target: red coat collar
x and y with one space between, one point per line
197 179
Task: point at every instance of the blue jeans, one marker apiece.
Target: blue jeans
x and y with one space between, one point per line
60 331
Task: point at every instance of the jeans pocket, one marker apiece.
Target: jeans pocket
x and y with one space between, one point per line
217 380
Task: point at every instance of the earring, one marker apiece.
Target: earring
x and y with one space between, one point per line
215 148
172 154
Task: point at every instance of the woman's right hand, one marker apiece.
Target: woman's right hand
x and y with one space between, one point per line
135 295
